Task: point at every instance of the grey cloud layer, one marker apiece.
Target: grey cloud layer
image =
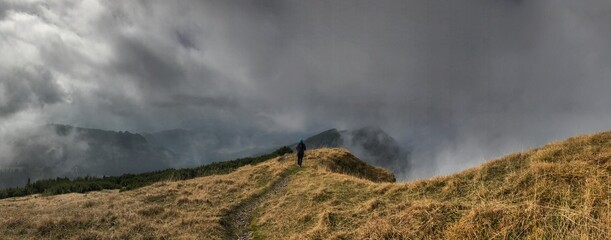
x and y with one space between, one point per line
29 87
460 80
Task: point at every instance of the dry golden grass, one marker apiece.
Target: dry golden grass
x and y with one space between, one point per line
189 209
559 191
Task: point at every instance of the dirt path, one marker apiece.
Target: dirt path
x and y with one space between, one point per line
238 221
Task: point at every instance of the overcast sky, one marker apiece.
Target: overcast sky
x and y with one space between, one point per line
461 81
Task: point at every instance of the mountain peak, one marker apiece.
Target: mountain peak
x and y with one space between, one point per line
329 138
370 143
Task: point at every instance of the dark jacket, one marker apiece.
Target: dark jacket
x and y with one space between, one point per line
300 148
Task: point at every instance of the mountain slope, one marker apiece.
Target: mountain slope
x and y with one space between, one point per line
558 191
184 209
371 144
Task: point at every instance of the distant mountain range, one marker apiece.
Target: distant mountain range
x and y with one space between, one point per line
65 151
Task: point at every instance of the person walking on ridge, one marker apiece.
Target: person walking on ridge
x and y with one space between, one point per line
301 147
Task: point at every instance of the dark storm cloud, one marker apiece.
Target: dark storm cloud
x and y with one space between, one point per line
28 87
147 67
186 40
460 81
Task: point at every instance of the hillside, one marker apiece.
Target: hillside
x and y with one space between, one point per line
559 191
371 144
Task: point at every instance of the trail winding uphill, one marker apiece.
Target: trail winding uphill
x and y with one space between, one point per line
238 221
558 191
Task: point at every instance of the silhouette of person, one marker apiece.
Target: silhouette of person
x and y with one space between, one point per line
301 147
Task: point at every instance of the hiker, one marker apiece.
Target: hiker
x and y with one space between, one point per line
300 151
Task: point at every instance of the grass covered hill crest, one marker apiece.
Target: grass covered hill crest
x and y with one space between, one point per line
558 191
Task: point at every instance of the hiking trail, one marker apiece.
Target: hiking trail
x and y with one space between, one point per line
237 221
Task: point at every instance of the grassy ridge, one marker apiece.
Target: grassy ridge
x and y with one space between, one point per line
559 191
189 209
132 181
